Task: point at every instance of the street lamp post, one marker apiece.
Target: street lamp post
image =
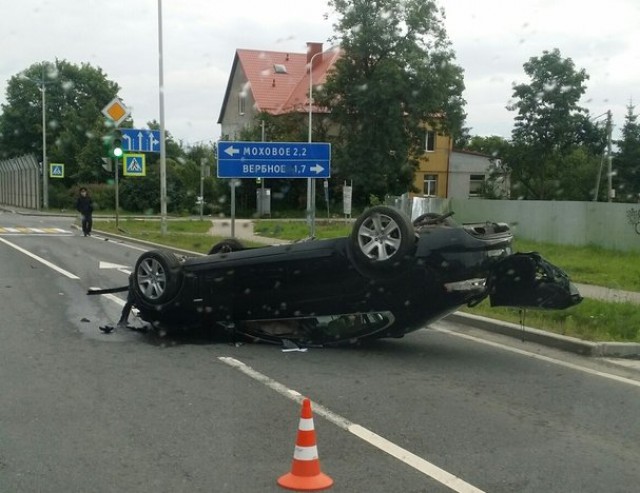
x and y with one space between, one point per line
45 168
42 85
311 184
163 152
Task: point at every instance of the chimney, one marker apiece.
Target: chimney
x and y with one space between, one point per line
312 49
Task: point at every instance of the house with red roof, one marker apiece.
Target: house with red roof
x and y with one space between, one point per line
279 83
274 82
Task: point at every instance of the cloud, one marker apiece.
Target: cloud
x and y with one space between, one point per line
492 40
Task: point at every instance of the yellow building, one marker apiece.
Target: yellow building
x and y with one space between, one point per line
431 177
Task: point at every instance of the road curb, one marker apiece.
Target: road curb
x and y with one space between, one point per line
558 341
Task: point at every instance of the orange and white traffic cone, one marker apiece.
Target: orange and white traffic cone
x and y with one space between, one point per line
305 472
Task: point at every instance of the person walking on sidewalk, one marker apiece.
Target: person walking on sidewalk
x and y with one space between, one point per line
84 205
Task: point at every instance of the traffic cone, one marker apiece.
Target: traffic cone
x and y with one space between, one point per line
305 472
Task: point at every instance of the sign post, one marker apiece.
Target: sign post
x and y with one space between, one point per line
117 112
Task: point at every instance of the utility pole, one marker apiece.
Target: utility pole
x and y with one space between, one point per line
608 131
609 157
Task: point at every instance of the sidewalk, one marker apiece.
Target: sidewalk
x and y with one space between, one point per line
608 294
241 229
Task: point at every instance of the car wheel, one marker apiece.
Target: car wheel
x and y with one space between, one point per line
157 276
226 246
382 237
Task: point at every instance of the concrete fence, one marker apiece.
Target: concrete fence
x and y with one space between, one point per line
609 225
19 182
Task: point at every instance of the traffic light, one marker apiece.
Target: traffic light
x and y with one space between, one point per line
113 144
116 144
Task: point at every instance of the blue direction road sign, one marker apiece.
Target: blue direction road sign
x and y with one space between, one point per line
140 140
274 160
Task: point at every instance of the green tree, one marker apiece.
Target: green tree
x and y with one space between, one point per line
549 127
184 173
626 161
396 73
75 96
286 194
494 145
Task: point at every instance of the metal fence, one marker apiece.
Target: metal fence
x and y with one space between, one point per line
20 182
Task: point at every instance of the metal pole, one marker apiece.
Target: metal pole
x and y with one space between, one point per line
117 180
45 167
609 157
261 208
202 161
163 151
597 191
311 188
233 207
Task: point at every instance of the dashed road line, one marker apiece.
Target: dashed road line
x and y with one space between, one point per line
418 463
21 230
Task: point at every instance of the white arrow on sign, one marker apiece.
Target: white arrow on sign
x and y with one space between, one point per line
317 169
109 265
231 150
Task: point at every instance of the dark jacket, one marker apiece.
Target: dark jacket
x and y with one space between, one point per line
84 205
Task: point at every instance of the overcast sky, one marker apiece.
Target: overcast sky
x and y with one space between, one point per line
492 40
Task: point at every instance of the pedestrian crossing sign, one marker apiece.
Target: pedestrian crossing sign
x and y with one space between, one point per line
134 165
56 170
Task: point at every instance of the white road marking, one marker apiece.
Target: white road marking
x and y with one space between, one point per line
540 357
40 259
119 242
108 265
114 298
381 443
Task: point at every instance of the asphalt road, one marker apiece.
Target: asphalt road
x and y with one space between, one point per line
450 408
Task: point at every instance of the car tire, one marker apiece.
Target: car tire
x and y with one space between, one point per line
157 277
381 239
226 246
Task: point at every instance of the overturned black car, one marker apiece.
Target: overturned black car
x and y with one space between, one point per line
388 278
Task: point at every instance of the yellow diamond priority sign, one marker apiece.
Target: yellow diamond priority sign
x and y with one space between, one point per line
116 111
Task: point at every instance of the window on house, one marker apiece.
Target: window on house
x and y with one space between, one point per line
476 183
278 68
430 187
431 141
242 101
